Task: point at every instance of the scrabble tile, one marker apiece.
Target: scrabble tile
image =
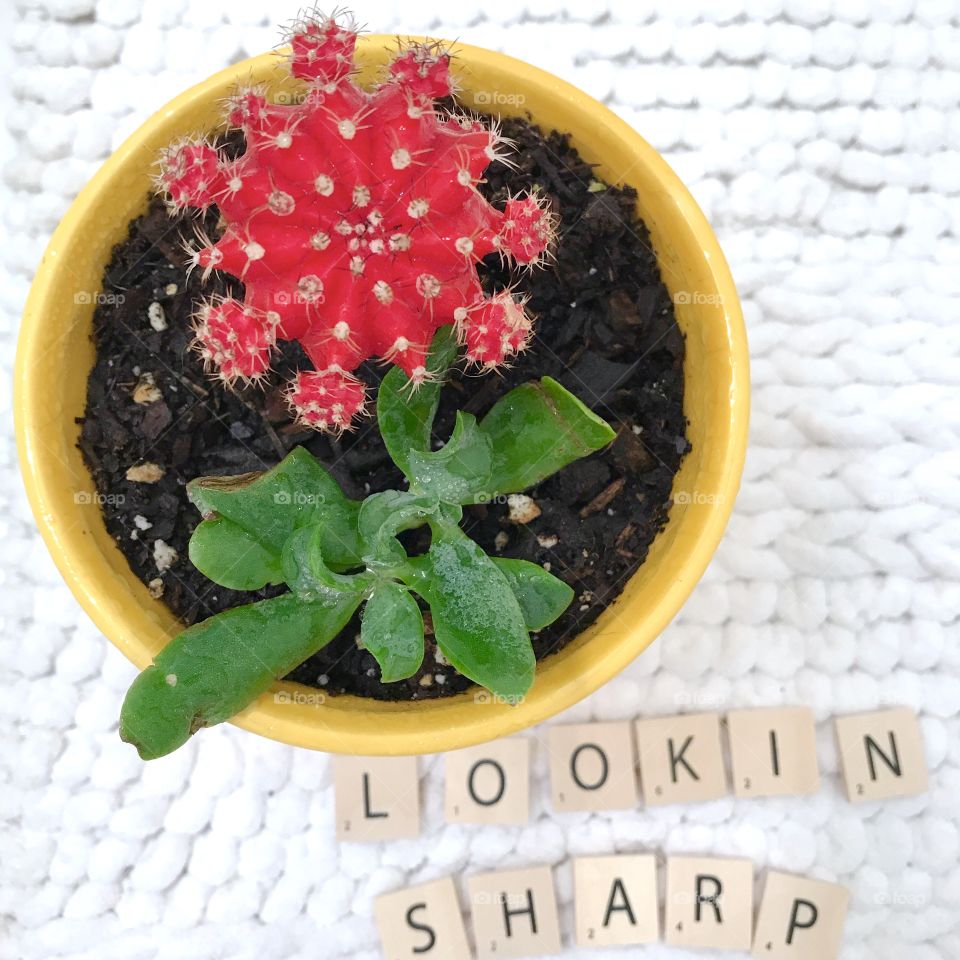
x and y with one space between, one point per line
422 921
514 913
592 767
376 798
773 752
882 755
616 900
800 919
681 759
489 783
709 903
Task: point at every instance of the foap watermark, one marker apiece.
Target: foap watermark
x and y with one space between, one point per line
509 898
298 498
498 98
99 298
684 898
299 698
697 498
310 289
697 297
700 700
486 696
899 898
291 98
492 498
86 498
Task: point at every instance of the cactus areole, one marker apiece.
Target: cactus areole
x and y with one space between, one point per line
354 221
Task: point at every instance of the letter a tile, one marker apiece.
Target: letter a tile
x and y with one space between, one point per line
616 900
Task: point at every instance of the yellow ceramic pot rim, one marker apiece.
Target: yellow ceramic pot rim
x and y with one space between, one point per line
54 357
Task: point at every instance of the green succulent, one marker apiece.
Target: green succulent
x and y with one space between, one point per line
293 525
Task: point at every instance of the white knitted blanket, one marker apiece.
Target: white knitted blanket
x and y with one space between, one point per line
822 137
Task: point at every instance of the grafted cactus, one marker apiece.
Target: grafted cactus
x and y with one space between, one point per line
354 221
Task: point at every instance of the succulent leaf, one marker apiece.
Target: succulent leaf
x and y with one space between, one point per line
226 553
214 669
405 416
537 429
459 472
541 595
265 509
392 630
477 620
306 572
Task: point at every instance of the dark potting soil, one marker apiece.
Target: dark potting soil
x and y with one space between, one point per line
605 329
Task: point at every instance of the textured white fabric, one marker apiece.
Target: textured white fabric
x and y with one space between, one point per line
822 137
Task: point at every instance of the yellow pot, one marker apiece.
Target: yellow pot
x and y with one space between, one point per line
55 355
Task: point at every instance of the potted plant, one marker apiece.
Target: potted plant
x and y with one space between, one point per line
259 534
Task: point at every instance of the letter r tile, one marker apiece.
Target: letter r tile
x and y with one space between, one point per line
709 903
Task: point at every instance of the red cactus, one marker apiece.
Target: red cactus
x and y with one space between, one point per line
236 339
354 221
